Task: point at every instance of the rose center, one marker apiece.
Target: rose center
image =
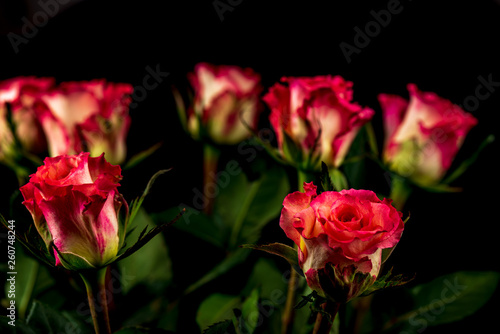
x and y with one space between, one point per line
347 215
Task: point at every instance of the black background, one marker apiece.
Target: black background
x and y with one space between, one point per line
442 48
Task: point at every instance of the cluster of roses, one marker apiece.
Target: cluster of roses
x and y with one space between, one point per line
41 118
340 235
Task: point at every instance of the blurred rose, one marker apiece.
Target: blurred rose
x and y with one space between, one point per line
422 135
317 116
87 116
340 236
74 202
21 93
226 102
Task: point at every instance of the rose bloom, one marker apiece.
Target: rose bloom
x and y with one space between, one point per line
87 116
74 202
340 236
422 135
226 103
318 115
21 93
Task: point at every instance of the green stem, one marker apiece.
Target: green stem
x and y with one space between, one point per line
210 161
242 214
400 191
324 320
362 307
95 283
289 311
302 177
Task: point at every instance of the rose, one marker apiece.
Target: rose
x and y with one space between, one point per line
422 136
226 103
74 202
87 116
340 236
316 116
21 93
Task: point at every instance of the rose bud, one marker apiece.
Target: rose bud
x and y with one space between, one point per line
317 117
21 93
340 236
226 103
74 202
87 116
422 135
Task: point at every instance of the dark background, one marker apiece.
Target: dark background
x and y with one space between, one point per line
442 48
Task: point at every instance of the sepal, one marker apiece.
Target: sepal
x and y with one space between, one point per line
387 281
342 284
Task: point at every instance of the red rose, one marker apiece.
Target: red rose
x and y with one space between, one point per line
22 93
422 135
318 115
87 116
340 234
226 102
74 202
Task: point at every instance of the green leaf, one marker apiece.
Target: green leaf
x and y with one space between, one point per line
145 237
266 276
291 150
285 251
266 204
25 282
448 298
43 319
139 157
216 308
223 327
467 163
338 179
149 264
246 207
326 181
250 315
136 204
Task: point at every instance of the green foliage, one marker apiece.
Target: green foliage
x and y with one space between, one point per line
43 319
446 299
151 264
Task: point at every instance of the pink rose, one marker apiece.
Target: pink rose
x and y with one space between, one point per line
318 115
340 236
87 116
22 93
74 202
226 102
422 135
